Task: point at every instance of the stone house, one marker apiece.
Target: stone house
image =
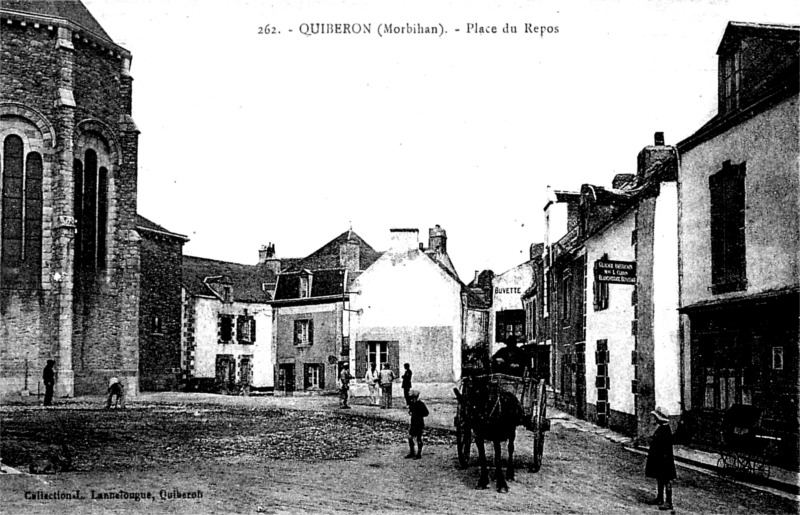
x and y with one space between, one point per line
227 324
69 248
312 313
740 240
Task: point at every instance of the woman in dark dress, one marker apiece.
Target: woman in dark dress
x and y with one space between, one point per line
660 460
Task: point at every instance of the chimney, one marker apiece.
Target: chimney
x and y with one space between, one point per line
350 253
437 239
403 240
475 281
653 155
266 252
266 257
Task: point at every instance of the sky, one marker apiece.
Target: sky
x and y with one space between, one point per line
249 138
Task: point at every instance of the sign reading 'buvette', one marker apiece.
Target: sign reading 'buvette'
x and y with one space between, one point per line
615 271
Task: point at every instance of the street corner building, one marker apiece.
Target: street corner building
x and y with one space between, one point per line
69 247
602 305
226 343
410 308
312 314
740 240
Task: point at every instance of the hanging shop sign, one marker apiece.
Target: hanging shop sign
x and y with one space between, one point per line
620 272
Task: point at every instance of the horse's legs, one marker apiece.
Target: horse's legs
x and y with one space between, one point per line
502 486
483 482
510 470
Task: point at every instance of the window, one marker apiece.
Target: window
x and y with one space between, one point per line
315 372
601 293
546 297
566 297
378 353
21 258
728 265
246 329
225 328
91 212
304 287
304 332
510 323
157 328
731 79
530 318
227 293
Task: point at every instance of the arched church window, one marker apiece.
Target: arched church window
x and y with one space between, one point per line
91 212
21 259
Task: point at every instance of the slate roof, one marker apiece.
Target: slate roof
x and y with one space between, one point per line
144 224
246 280
324 283
327 256
68 10
328 275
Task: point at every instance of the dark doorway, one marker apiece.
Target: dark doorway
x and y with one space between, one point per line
286 378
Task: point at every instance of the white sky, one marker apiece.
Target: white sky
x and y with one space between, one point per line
248 139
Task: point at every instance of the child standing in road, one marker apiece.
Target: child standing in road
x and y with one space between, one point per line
660 460
418 412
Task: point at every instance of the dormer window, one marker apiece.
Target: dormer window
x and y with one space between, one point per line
227 293
730 79
305 287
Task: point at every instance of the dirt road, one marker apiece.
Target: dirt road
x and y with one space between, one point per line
249 455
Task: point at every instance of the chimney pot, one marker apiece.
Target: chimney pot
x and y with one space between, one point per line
659 138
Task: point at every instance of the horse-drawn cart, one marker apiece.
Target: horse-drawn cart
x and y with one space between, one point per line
529 392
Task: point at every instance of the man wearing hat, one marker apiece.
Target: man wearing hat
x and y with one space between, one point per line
344 386
660 460
418 412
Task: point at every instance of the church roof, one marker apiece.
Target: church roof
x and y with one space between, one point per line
68 10
143 224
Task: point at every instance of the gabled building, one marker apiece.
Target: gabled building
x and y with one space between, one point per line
227 323
312 313
740 240
160 323
410 307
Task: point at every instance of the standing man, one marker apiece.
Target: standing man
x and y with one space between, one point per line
386 378
49 379
371 378
406 382
344 386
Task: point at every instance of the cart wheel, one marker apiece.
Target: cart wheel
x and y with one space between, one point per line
463 442
539 424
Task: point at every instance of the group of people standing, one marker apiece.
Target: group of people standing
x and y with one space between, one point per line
379 384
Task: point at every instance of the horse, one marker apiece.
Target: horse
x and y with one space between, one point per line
492 414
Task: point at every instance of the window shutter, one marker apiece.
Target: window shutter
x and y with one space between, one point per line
240 329
297 332
361 359
226 328
322 368
394 356
253 330
311 332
